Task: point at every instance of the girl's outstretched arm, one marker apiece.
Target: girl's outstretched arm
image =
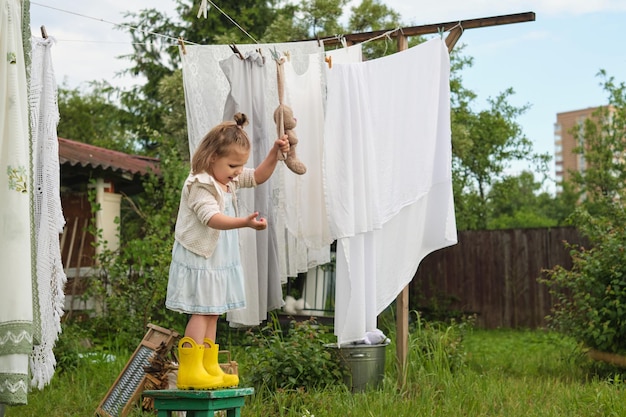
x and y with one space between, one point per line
223 222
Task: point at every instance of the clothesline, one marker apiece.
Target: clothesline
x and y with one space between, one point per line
148 32
176 41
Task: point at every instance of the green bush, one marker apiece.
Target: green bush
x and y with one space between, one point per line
72 344
291 359
590 297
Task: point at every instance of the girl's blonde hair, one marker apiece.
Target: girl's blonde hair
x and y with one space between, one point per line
218 141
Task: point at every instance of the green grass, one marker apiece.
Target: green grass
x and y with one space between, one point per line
492 373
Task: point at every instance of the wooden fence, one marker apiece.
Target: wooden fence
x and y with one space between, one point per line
494 274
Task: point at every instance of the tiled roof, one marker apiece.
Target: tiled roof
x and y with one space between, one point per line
78 153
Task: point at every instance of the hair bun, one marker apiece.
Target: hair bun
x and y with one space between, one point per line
241 119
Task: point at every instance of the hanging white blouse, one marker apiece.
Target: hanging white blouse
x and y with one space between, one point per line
305 206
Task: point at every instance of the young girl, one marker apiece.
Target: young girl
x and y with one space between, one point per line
206 276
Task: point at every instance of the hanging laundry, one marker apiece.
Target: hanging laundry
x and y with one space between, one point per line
259 249
48 214
346 55
387 161
206 86
305 207
206 91
16 294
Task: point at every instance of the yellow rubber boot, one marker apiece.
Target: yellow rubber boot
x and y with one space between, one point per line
211 351
191 372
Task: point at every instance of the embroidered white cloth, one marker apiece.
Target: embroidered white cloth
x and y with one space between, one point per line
49 220
387 177
16 296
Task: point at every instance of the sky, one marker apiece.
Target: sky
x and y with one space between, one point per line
551 63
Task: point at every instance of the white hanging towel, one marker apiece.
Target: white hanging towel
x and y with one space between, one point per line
49 220
16 297
388 181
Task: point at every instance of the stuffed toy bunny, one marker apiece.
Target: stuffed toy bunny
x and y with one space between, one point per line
289 124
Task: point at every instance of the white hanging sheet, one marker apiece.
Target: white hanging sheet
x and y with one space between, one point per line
16 296
387 177
346 55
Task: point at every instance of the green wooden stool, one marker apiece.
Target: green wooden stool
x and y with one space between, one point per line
199 403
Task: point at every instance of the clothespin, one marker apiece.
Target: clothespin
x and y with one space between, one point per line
275 55
440 31
319 43
343 41
329 61
203 9
288 55
44 34
235 50
181 42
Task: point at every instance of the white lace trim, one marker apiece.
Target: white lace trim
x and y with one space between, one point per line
49 220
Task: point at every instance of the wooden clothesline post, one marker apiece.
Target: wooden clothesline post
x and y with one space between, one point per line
455 30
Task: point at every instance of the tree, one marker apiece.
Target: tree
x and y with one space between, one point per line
592 294
487 142
515 202
94 117
602 143
132 281
371 15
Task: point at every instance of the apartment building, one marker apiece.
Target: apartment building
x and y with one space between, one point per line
565 159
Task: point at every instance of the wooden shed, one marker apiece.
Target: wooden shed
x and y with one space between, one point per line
111 174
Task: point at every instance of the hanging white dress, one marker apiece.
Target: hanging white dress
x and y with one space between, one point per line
259 250
387 176
16 295
306 220
49 220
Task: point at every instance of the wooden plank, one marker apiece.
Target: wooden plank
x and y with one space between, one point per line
402 334
435 28
402 301
453 37
197 394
